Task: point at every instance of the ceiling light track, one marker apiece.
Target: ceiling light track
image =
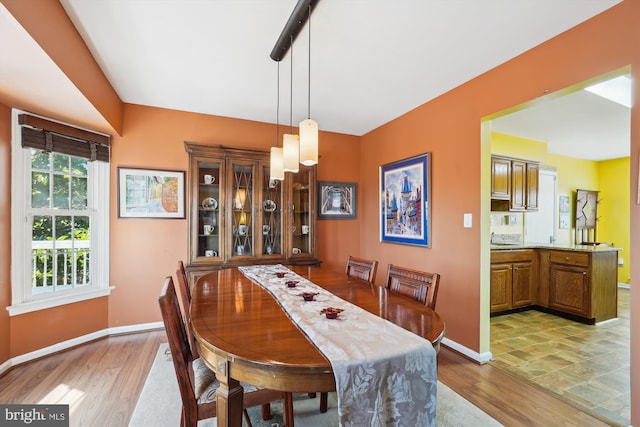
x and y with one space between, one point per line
292 28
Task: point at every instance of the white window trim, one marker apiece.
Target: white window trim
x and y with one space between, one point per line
21 300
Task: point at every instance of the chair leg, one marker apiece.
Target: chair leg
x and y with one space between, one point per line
266 411
287 409
312 395
323 401
245 415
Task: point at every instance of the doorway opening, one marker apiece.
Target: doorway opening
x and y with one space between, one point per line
582 141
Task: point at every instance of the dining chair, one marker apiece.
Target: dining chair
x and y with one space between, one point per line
184 293
197 383
419 285
362 269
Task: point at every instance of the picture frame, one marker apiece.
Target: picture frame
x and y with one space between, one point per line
564 212
336 200
151 193
405 196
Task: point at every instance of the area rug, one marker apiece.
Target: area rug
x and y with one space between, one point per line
159 405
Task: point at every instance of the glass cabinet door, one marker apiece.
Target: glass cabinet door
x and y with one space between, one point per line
209 238
242 212
271 214
301 209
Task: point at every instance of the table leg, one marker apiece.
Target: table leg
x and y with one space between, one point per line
229 397
229 405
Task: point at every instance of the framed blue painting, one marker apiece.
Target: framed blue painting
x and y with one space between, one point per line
405 196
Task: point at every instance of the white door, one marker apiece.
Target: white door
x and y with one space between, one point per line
539 227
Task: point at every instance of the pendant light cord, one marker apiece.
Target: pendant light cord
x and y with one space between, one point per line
291 91
278 108
309 69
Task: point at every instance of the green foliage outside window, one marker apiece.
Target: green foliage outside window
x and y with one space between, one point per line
61 234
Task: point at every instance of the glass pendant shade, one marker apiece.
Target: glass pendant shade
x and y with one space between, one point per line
308 142
291 152
276 164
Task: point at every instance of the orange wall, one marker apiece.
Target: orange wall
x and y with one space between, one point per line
143 252
48 327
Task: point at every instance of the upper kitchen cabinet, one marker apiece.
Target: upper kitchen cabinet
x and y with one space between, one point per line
237 215
514 184
500 178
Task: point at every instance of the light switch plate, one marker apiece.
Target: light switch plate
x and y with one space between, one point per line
468 220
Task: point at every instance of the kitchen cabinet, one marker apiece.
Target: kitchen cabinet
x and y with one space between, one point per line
514 184
584 284
500 178
512 279
237 215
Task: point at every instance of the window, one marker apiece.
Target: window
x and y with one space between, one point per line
60 214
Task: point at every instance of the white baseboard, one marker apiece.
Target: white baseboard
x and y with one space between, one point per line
473 355
120 330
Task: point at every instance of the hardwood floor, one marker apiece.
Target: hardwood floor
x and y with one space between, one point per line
102 381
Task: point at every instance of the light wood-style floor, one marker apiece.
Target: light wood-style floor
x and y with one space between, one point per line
102 381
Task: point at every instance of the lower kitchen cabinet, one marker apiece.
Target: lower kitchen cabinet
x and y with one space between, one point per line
581 284
584 284
512 279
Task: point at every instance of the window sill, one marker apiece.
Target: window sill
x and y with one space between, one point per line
43 304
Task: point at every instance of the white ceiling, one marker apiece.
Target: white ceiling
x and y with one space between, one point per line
371 60
581 125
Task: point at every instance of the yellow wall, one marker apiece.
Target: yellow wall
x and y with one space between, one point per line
614 209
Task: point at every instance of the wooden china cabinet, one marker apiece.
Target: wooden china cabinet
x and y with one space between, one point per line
238 216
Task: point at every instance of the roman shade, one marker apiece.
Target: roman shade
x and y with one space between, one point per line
49 136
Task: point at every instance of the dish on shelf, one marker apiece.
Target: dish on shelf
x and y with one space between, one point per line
269 205
210 203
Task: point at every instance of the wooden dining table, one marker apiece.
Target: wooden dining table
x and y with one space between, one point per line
244 335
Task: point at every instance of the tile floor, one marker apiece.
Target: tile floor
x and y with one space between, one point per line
586 365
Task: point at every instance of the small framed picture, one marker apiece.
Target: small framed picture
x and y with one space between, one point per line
336 200
150 193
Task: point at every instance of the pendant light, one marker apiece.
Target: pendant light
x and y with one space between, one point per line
276 162
290 142
309 128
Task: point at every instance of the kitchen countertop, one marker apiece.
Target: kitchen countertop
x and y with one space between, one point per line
578 248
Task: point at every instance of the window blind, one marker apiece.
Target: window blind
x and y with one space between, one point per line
49 136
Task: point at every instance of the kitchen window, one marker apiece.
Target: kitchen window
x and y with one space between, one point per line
59 214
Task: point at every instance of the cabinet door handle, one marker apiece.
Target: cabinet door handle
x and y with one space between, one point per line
584 273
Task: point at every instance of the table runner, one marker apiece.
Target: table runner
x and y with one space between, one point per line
385 375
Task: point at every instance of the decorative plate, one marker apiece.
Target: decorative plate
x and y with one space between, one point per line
269 205
210 203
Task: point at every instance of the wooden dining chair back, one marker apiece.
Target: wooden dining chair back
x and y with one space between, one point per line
362 269
184 292
196 381
419 285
